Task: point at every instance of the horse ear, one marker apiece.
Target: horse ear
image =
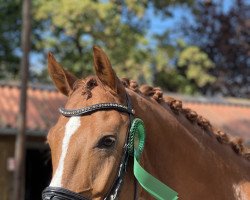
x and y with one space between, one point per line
62 79
103 69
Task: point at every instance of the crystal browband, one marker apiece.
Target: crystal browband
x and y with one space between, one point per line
94 108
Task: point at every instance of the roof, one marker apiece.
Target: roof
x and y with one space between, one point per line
228 114
231 115
42 109
234 120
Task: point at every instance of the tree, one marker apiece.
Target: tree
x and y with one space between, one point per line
225 37
118 26
10 34
20 147
75 26
190 72
70 28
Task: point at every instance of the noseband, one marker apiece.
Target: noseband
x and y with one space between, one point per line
57 193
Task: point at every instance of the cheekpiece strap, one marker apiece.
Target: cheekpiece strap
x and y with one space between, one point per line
96 107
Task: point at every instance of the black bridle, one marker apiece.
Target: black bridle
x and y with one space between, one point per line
58 193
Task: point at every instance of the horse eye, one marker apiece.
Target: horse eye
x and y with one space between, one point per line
106 142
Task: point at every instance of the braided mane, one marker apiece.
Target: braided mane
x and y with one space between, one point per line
177 108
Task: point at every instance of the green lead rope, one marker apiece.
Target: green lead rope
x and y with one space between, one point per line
153 186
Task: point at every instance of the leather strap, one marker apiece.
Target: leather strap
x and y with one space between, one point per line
96 107
57 193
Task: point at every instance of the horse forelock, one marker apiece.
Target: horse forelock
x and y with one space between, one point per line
177 108
86 86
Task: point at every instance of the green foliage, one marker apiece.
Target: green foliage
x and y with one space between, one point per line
75 26
70 29
195 65
10 26
118 27
173 81
190 72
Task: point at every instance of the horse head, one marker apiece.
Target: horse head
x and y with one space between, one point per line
88 142
91 142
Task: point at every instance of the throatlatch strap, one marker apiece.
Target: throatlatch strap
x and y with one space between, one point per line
152 185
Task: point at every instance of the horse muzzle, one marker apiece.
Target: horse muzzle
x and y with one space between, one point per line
57 193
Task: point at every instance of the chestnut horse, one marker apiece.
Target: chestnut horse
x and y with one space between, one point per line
182 149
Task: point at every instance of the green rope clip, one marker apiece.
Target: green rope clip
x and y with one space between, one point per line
152 185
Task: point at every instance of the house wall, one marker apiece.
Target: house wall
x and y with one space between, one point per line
7 144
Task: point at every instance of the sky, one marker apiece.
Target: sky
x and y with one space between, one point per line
159 23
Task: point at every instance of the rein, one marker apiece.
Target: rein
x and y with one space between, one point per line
136 131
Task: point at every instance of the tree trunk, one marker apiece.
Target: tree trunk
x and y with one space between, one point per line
19 175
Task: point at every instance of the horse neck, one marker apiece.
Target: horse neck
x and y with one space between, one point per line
179 152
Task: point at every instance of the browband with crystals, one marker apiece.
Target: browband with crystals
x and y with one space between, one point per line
94 108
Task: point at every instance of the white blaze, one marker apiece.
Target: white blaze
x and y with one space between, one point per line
70 128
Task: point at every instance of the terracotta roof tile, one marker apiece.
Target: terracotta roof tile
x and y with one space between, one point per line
229 115
232 119
42 107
